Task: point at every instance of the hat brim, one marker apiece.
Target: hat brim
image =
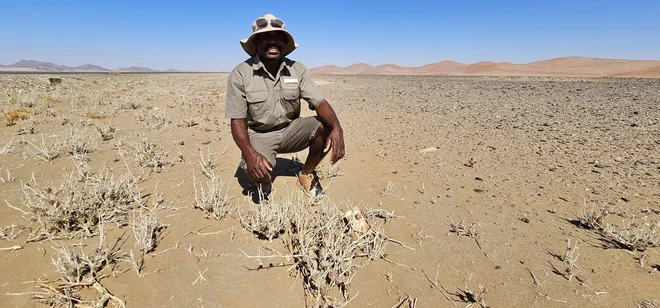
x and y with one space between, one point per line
251 49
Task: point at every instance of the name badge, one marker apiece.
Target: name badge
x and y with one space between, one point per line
291 82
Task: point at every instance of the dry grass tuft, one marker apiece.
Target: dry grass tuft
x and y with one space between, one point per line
79 142
149 154
43 150
634 237
70 208
27 127
631 236
324 246
473 297
10 233
154 118
570 260
16 115
106 132
461 229
593 219
208 162
79 270
212 200
267 219
146 230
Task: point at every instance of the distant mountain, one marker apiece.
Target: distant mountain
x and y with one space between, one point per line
565 66
136 69
38 66
90 67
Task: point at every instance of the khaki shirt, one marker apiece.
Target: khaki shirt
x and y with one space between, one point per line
269 102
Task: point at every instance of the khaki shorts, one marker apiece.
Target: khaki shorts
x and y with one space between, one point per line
293 138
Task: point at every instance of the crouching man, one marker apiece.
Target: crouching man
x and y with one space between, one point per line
263 102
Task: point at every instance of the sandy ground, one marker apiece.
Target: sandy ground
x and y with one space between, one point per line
520 157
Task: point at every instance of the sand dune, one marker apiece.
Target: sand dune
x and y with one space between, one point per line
566 66
647 72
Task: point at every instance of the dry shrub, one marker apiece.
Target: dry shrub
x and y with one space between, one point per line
570 260
208 163
593 219
154 118
46 151
462 229
15 115
149 155
79 142
473 297
106 132
634 237
26 127
70 208
325 246
631 236
79 270
212 200
267 219
128 103
146 229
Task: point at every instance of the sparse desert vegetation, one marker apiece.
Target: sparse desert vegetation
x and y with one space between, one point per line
516 191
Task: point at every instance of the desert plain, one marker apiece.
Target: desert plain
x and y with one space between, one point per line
485 191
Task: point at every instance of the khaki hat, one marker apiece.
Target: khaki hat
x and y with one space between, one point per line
267 23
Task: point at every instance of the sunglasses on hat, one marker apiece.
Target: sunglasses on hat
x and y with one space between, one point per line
263 23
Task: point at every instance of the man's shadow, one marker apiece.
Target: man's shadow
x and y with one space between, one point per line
283 167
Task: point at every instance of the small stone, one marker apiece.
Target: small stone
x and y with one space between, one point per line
525 220
498 267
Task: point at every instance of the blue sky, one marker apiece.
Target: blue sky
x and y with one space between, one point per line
204 35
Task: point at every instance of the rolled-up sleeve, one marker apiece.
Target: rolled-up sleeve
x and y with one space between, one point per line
309 91
235 102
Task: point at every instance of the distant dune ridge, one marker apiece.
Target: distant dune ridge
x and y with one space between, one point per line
38 66
566 66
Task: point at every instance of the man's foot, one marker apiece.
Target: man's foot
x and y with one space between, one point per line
310 183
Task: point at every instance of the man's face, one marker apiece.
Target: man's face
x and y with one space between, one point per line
270 45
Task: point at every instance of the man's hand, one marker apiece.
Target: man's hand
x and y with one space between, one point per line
258 167
336 142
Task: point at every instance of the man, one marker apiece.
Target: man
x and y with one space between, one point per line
263 102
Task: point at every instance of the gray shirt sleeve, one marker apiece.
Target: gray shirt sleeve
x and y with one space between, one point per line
235 102
308 89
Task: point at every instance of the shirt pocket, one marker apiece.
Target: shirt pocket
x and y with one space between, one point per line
257 104
291 101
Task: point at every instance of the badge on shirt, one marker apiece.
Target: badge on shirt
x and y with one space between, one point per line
290 82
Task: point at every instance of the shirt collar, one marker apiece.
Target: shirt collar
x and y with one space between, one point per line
258 65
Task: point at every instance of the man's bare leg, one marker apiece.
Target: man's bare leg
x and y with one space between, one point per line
316 147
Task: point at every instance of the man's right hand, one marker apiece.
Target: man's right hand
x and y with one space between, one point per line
258 167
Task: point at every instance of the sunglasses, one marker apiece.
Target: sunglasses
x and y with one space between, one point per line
263 23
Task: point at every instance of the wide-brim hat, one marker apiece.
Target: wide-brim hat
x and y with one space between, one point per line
261 27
